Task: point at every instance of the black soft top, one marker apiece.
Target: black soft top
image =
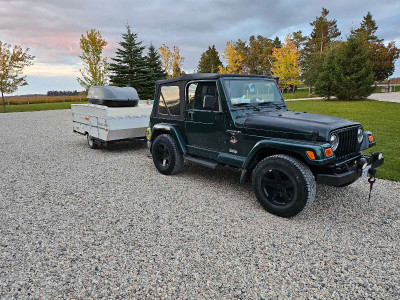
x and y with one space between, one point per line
205 76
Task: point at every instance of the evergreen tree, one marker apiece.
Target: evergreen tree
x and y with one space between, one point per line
347 72
130 68
276 43
258 53
383 57
156 70
367 29
326 84
323 35
209 61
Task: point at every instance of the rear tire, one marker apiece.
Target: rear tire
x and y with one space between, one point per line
167 157
283 185
91 142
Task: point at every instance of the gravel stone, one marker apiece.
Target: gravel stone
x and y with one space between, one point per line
82 223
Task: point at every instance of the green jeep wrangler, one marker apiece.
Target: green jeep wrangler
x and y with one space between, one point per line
242 121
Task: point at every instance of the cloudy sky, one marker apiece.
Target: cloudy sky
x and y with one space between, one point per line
52 28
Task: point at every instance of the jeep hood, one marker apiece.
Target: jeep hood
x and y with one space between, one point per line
292 124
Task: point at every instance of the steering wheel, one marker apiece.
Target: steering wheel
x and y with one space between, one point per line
254 100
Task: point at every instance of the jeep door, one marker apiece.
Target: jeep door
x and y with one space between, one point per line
205 125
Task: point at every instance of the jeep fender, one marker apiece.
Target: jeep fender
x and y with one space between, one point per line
173 130
291 146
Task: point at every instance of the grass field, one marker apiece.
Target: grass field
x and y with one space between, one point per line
382 118
43 99
300 93
40 106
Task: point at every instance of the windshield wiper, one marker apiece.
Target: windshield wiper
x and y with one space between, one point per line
278 106
247 104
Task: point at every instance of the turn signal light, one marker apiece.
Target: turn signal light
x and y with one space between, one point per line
86 118
105 129
310 155
370 138
328 152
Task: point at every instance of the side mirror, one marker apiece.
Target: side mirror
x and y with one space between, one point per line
209 102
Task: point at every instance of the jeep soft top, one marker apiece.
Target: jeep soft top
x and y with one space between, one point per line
242 121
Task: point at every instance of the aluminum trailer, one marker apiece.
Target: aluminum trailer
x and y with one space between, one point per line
115 119
102 124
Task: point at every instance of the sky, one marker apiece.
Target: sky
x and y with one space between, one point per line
52 28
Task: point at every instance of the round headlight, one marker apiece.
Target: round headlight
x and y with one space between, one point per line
334 141
360 135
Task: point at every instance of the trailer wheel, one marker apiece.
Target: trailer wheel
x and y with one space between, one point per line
167 157
91 142
284 185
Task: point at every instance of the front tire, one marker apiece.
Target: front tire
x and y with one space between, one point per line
283 185
167 157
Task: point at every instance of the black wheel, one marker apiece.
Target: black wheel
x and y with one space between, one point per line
91 142
167 157
284 185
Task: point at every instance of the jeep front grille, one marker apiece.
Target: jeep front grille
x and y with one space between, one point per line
347 141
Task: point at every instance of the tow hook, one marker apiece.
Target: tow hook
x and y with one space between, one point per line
371 181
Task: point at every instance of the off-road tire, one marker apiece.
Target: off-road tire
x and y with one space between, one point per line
91 142
172 163
298 183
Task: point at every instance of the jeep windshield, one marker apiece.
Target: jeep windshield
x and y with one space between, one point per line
252 91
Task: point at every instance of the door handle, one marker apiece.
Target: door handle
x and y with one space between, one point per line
190 115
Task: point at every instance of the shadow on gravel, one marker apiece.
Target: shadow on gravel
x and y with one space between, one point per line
331 203
125 146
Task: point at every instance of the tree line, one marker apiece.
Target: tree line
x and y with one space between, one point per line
322 61
345 69
62 93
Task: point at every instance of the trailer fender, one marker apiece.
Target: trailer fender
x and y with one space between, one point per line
173 130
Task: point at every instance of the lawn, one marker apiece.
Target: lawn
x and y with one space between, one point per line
300 93
41 106
382 118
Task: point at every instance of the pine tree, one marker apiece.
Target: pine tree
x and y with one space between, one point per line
130 67
347 72
323 35
326 85
383 57
277 43
367 29
156 70
209 61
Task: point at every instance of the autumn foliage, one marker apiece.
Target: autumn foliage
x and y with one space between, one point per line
286 63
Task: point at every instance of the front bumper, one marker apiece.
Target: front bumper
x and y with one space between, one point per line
350 175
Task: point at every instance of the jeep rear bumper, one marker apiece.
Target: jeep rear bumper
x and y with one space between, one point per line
352 174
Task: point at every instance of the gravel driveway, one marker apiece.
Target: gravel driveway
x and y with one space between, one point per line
81 223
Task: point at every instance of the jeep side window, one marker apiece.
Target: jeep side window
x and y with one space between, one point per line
168 103
197 91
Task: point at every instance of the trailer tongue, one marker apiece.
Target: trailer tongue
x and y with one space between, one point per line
117 115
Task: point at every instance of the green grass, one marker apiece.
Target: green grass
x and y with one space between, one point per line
36 107
300 93
382 118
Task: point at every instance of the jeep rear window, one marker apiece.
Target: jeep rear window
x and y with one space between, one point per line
252 90
168 103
